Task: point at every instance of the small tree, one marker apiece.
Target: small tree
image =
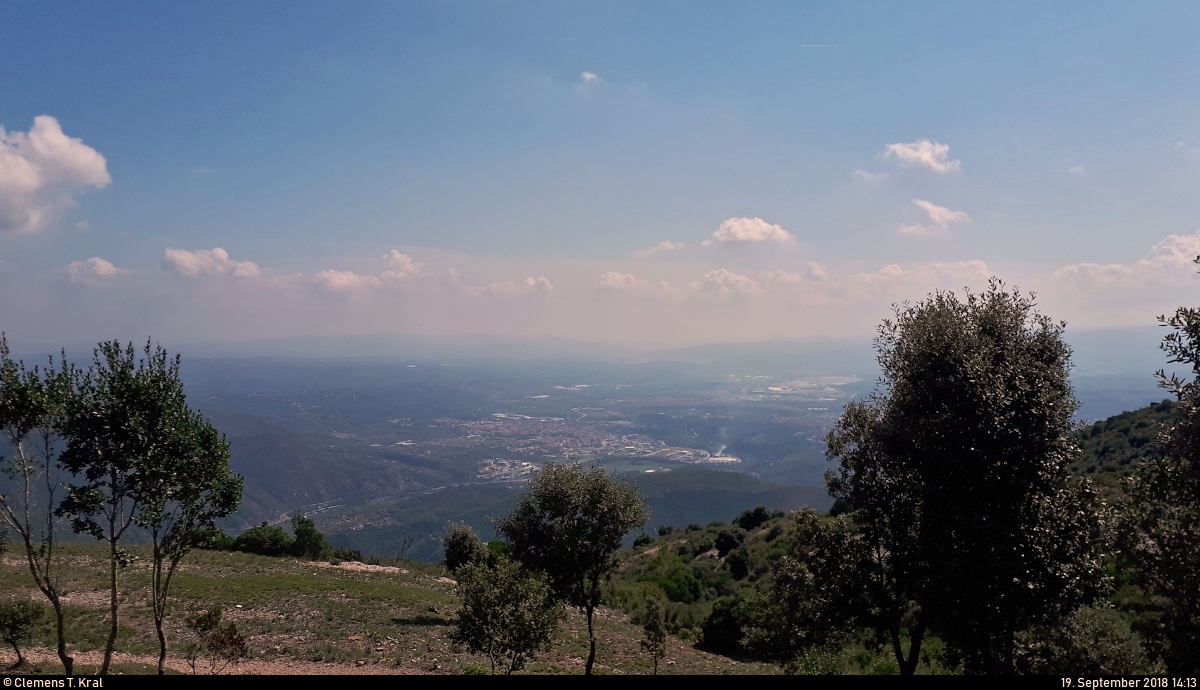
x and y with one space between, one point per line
506 614
218 644
654 625
18 621
188 486
570 525
462 546
32 407
817 594
308 542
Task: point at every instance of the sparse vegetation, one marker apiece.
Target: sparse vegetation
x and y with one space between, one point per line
507 614
569 526
217 645
18 622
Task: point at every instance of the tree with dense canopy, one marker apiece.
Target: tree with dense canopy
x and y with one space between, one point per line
1162 534
955 474
569 526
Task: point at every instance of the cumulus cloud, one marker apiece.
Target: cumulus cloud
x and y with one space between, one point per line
940 220
723 282
748 230
659 248
198 262
399 262
814 272
399 267
613 281
346 282
894 281
926 153
39 172
92 272
1171 258
508 288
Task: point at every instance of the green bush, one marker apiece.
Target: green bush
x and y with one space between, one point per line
750 519
264 540
19 620
1092 641
309 542
462 546
724 631
728 540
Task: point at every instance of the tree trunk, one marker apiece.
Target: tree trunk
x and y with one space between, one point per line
587 669
162 646
909 667
20 657
112 633
68 662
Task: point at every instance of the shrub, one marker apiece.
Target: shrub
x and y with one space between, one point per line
724 631
264 540
18 622
643 539
750 519
462 547
309 542
728 540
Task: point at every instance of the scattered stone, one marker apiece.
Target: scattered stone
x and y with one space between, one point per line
355 638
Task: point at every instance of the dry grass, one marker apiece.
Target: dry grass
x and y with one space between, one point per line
312 618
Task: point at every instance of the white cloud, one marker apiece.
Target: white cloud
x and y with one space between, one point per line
814 272
659 248
926 153
346 282
1077 170
39 171
723 282
940 220
399 267
747 230
613 280
91 272
399 262
193 263
508 288
1171 258
588 81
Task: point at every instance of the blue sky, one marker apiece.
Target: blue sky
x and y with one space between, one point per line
665 173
